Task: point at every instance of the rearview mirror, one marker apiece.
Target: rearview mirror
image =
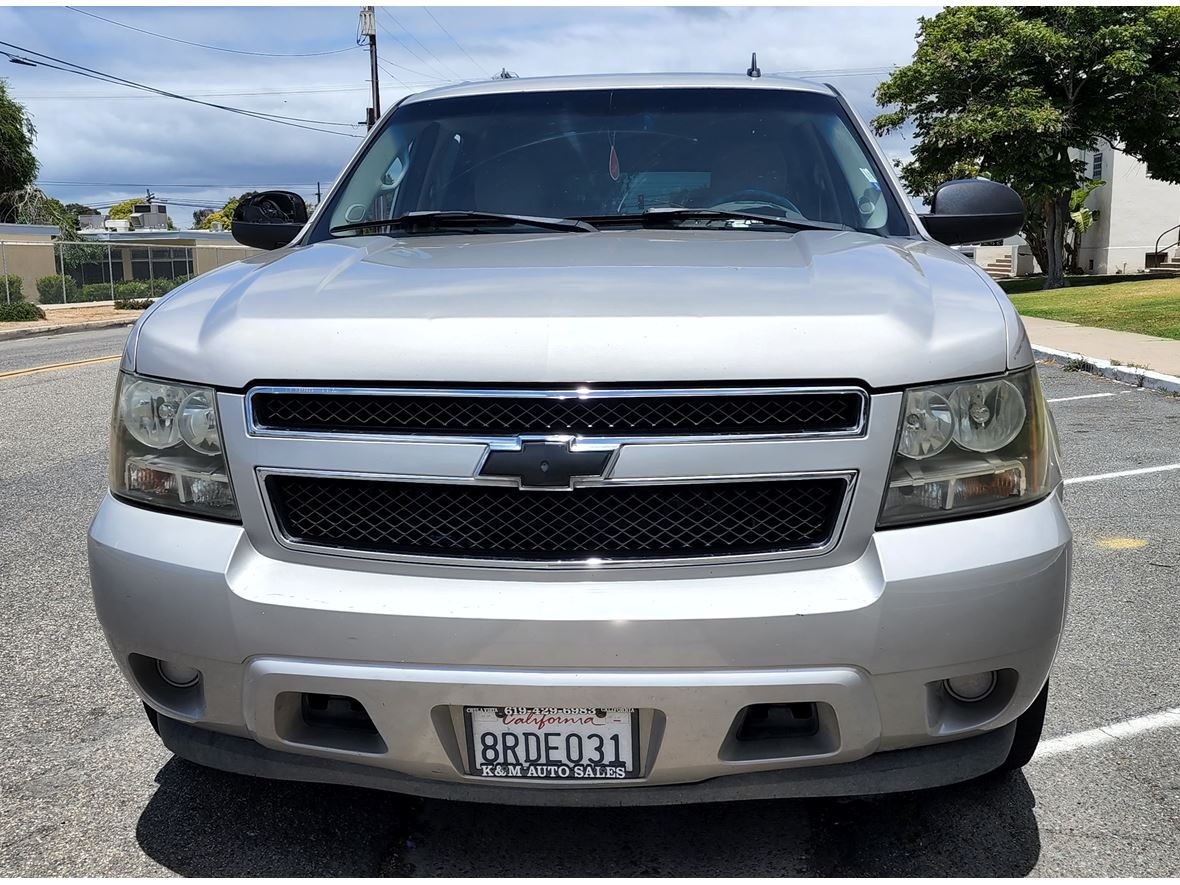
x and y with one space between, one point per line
973 210
269 219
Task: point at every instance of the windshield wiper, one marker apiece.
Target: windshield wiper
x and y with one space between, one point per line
436 219
670 214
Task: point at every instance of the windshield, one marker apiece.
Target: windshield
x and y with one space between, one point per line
621 152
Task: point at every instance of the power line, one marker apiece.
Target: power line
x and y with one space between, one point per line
74 96
443 65
206 45
93 74
478 67
838 72
411 70
406 47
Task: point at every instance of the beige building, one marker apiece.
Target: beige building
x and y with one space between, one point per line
35 251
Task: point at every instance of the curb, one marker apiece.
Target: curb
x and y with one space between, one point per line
1106 369
62 328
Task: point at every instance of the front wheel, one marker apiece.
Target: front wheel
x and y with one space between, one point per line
1028 733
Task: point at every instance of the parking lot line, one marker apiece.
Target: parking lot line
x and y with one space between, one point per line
1066 399
1138 471
35 369
1104 734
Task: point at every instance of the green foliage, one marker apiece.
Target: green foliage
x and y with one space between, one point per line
80 253
225 214
124 209
20 312
18 165
77 209
1008 92
1081 215
49 289
92 292
134 304
10 288
133 289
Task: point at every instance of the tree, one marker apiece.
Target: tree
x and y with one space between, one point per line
77 209
1014 92
225 214
124 209
18 165
200 215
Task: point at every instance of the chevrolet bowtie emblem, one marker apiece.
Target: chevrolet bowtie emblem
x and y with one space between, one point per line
545 464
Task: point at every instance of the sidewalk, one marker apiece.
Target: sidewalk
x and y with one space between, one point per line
70 318
1129 348
1125 356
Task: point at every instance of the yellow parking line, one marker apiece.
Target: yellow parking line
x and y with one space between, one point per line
35 369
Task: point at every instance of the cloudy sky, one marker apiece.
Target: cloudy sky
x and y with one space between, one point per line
99 142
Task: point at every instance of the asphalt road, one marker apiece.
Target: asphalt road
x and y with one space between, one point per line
86 789
24 353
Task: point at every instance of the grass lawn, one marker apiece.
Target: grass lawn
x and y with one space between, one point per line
1150 307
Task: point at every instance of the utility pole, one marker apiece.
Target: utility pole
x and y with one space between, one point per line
369 29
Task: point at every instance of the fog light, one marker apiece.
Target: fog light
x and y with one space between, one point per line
975 687
178 674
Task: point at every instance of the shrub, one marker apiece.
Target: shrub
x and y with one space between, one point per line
92 292
134 304
130 290
19 311
49 288
14 293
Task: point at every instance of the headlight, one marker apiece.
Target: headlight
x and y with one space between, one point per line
166 448
971 447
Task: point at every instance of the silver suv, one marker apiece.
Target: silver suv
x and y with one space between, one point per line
597 440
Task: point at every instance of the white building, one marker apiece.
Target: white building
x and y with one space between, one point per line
1134 212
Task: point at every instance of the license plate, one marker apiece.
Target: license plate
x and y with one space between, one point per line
553 743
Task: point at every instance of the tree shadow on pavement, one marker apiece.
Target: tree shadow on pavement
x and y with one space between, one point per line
207 823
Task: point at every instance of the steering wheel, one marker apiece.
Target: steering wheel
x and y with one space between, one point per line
756 195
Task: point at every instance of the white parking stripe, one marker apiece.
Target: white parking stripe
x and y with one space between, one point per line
1066 399
1136 472
1169 718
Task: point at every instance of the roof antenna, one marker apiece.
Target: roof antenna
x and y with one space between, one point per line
753 70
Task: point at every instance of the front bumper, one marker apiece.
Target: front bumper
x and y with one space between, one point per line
870 641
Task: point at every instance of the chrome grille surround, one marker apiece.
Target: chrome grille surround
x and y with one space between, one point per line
650 460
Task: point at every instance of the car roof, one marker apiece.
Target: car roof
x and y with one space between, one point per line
618 81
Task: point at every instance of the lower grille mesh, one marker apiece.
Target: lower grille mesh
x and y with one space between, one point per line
609 522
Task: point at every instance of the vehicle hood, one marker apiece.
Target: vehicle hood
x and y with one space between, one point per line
636 306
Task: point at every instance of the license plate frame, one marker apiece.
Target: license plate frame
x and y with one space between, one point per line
622 722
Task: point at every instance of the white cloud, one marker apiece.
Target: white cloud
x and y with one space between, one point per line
95 132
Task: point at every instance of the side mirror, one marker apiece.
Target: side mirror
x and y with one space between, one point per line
269 219
973 210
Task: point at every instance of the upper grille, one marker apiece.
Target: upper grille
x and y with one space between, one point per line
607 522
563 412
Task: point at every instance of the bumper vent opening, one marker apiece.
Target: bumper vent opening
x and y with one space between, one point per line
329 721
782 731
768 722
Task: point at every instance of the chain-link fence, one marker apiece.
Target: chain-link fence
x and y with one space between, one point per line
69 272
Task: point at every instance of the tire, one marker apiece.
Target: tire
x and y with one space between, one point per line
154 718
1028 733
